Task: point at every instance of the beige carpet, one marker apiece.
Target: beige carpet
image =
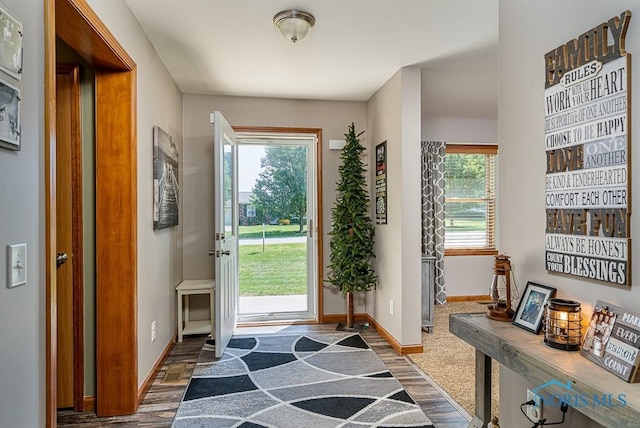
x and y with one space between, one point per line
450 362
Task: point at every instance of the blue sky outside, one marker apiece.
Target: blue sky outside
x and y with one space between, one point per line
249 156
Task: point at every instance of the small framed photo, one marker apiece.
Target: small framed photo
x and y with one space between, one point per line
10 44
9 116
531 307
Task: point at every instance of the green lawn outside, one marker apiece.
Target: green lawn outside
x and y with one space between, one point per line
278 271
271 231
464 225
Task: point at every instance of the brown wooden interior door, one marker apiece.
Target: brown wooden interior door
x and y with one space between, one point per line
75 23
68 187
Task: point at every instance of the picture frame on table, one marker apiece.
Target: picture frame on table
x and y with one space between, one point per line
530 309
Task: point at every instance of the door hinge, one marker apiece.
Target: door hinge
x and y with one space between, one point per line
212 118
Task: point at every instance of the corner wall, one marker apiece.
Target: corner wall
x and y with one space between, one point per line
393 115
528 30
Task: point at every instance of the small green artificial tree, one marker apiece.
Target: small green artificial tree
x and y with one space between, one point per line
352 231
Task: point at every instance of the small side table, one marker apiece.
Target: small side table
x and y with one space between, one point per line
185 289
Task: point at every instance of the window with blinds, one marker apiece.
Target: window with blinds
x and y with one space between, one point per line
470 207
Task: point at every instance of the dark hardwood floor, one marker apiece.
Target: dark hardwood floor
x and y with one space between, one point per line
161 402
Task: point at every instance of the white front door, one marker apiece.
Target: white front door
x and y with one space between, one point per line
226 230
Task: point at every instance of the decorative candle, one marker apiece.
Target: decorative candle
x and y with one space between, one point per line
563 324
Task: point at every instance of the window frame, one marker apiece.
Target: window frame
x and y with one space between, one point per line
477 149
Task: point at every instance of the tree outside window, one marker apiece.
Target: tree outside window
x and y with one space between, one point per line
280 191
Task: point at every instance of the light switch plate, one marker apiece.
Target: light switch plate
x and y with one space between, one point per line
16 265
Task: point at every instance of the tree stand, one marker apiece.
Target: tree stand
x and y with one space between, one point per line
351 325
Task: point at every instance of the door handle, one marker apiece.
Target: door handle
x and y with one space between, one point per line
219 253
61 258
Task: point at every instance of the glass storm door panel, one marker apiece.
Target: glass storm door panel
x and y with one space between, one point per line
226 231
277 243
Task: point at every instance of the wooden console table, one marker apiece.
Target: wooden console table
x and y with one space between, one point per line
526 354
187 288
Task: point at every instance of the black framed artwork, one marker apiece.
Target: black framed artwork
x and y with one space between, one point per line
381 183
166 188
10 124
10 44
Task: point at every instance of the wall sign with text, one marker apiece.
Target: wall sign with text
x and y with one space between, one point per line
381 183
588 165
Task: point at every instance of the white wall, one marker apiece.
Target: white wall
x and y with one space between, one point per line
22 395
393 114
460 130
159 253
465 275
528 30
333 117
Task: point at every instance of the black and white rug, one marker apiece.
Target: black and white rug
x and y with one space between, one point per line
296 381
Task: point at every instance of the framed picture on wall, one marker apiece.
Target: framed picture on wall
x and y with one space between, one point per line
9 116
166 189
381 183
10 44
531 307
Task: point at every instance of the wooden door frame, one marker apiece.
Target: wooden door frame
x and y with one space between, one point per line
73 73
116 192
318 134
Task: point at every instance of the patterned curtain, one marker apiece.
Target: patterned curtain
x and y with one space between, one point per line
433 160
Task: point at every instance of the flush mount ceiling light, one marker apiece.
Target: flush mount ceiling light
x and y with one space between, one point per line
294 24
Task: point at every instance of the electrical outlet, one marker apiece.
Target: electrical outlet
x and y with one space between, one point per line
534 411
16 265
153 331
391 307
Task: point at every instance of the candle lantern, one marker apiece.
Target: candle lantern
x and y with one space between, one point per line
563 324
500 291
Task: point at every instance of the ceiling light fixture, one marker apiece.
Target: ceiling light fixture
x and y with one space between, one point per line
294 24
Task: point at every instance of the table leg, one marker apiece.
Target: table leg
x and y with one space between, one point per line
179 316
187 299
483 387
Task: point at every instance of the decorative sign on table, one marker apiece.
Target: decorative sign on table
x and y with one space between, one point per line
588 162
381 183
613 340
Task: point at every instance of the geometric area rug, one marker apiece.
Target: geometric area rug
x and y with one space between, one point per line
296 381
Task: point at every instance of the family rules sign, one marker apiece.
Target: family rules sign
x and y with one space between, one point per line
588 155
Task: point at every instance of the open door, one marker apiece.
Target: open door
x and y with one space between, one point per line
69 287
225 161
